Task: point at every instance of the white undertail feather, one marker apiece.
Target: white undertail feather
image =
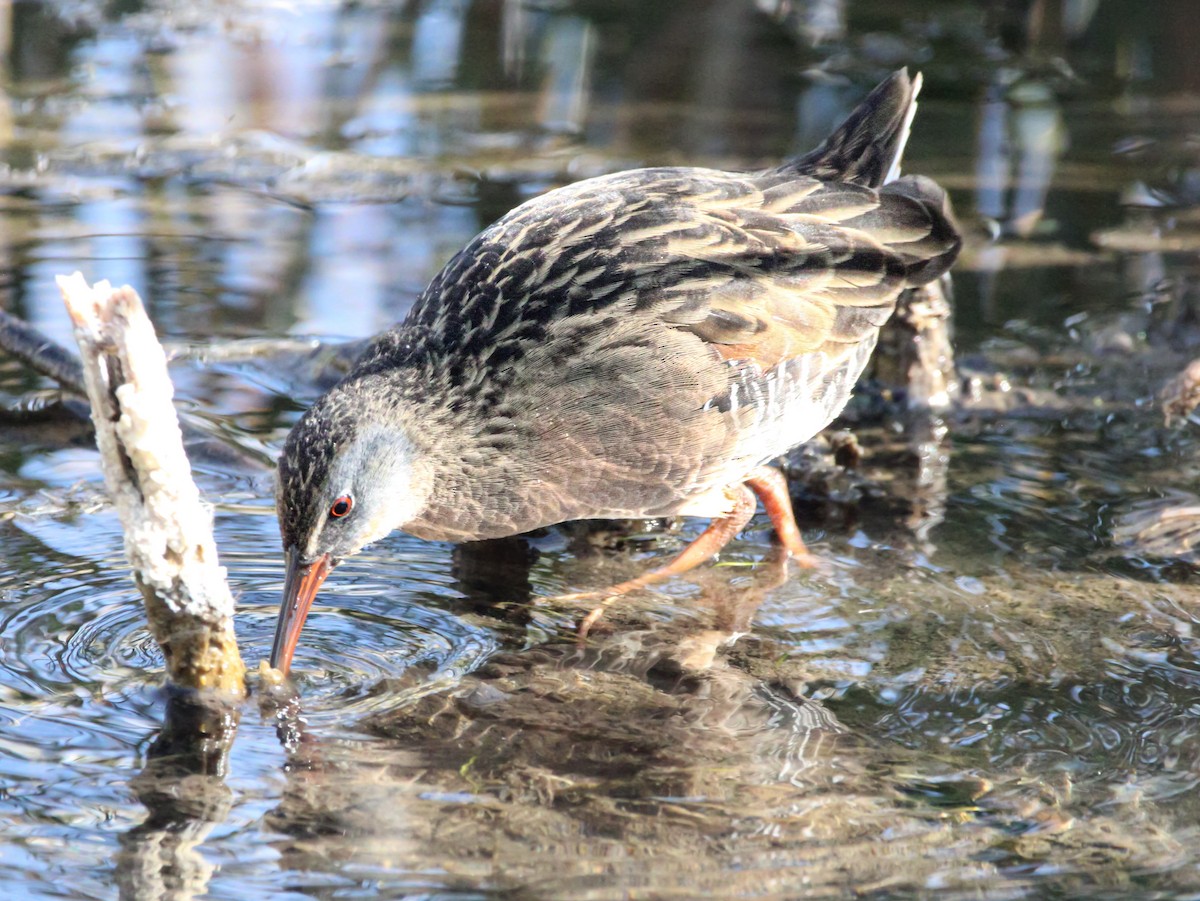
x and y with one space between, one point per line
894 172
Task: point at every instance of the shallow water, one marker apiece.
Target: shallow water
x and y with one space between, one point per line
990 689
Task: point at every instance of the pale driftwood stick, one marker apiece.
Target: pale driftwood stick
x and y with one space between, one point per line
239 350
168 531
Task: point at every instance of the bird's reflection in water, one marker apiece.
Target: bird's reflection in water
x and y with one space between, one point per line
493 577
560 746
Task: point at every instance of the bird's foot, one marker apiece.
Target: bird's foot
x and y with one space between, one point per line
769 485
576 597
807 560
778 563
585 624
606 599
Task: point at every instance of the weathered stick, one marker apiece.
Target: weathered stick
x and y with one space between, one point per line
915 354
168 531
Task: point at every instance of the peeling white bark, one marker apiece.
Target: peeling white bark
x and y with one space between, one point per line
168 529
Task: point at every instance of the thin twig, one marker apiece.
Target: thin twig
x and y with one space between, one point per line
41 354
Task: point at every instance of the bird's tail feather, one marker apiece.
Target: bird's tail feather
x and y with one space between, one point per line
866 149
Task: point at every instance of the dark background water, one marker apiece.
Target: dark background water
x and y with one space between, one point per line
1009 693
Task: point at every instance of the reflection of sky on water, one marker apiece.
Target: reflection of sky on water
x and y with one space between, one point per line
490 93
437 37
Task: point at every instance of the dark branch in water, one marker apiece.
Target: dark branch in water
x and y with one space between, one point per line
25 343
39 353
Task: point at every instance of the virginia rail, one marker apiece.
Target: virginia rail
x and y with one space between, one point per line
636 345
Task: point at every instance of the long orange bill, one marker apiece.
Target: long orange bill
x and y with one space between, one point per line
299 590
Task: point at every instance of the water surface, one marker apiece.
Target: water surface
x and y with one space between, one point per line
991 689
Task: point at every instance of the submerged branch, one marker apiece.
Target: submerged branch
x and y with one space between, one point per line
168 530
40 353
915 356
1181 395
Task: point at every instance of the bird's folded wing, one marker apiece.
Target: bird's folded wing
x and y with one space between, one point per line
800 267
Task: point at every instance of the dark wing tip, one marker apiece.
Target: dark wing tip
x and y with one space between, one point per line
929 257
866 148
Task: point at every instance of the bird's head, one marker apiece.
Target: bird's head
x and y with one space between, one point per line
348 476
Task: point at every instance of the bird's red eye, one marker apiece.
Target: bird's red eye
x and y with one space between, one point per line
341 506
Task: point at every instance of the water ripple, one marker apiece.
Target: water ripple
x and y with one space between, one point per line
1100 735
380 617
77 627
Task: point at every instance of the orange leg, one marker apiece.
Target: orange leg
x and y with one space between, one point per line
711 540
770 487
